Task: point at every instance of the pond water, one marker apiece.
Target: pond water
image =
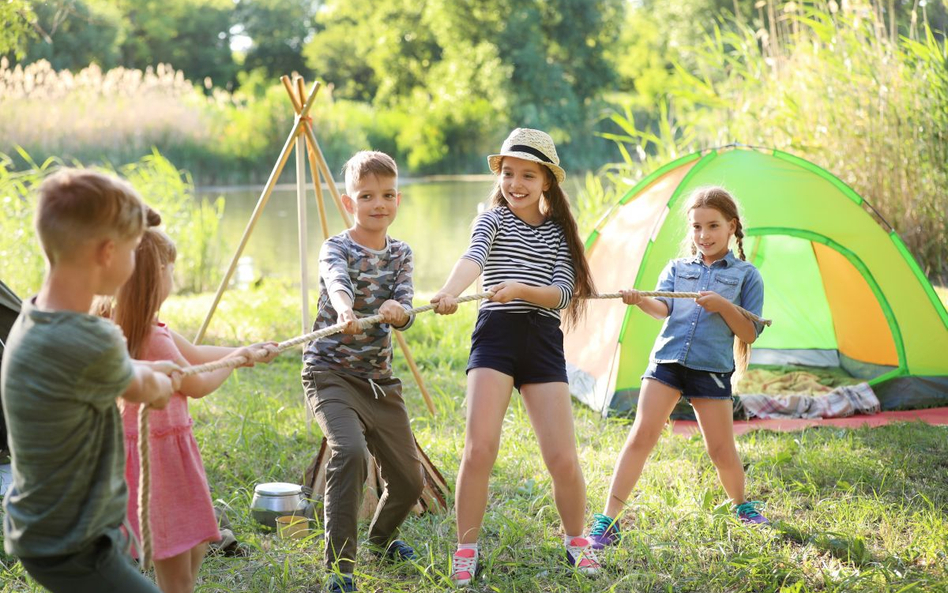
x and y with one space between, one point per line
434 218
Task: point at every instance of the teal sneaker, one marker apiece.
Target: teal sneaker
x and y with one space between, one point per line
747 512
604 532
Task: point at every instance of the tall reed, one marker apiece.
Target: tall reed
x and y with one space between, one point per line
838 86
194 225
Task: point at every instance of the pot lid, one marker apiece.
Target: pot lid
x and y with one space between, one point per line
278 489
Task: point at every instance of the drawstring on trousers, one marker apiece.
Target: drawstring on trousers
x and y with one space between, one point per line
376 389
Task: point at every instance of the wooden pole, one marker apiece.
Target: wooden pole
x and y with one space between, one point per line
313 146
314 169
399 338
327 175
301 219
261 203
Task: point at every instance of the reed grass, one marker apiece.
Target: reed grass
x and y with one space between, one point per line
837 86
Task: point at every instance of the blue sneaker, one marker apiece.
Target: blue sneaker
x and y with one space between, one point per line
341 583
604 532
398 551
747 512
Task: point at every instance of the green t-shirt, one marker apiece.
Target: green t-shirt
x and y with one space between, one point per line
61 374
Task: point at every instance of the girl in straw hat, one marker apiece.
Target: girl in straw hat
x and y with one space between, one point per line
528 249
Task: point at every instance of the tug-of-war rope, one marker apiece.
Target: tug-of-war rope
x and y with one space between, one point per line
234 362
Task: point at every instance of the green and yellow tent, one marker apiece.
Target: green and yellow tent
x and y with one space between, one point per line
840 285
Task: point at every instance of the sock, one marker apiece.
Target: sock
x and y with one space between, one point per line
468 547
569 538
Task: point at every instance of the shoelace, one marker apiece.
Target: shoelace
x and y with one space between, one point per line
748 509
602 524
463 564
584 553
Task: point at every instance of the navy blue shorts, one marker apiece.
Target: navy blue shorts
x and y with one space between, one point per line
526 346
689 382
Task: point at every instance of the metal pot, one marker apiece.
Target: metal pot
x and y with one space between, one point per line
278 499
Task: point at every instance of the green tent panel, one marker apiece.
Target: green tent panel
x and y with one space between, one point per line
841 289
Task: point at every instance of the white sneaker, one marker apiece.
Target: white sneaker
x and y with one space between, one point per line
463 567
581 556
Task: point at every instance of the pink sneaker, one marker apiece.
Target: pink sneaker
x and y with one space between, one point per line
581 556
463 567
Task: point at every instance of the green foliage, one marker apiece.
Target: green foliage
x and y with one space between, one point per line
451 69
23 262
835 87
16 32
278 29
191 35
193 225
75 33
856 511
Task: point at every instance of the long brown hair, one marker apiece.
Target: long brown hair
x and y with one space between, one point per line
722 201
138 300
558 210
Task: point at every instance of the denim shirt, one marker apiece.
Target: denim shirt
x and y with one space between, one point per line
693 337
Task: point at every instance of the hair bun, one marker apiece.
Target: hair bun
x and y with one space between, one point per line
152 217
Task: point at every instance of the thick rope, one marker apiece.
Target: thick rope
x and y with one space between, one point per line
322 333
684 295
144 488
373 319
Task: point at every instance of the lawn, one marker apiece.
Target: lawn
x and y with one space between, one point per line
855 510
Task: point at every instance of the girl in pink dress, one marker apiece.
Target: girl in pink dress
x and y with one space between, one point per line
182 515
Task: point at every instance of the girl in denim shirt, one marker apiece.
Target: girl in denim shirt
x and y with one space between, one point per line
694 356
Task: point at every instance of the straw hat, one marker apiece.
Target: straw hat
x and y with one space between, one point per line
529 145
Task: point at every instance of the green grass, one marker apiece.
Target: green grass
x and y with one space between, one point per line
858 510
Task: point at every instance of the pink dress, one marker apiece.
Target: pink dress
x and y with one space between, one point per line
182 515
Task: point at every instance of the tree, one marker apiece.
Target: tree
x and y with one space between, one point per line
71 34
16 16
191 35
279 30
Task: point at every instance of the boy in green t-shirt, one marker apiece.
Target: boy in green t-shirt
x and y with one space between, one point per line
62 372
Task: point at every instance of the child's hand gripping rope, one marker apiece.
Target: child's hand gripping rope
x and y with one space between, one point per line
709 301
443 303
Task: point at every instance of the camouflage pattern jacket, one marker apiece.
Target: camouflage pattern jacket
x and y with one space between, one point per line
370 278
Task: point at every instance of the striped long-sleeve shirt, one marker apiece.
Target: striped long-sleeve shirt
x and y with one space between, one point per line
509 250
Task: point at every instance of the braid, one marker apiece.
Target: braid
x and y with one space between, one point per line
739 234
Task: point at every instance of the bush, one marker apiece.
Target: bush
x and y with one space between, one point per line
194 226
833 86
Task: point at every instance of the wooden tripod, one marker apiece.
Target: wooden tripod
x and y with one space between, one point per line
303 138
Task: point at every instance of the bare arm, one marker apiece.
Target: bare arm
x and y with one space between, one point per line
199 354
545 296
151 384
653 307
202 384
465 272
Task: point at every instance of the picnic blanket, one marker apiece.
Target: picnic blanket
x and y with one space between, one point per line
842 401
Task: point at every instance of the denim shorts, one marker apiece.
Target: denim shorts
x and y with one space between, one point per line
690 382
526 346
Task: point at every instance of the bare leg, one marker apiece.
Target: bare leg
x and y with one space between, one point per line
175 574
488 395
551 414
716 419
656 402
198 553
